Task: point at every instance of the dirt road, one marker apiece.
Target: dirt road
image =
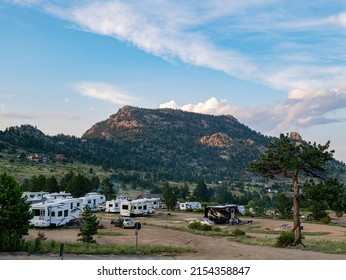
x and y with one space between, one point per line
158 230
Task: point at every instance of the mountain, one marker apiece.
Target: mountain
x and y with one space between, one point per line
180 142
155 143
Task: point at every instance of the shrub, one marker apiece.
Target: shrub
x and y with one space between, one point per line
238 232
199 226
285 239
326 220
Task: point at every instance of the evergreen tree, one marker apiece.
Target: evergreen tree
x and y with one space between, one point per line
201 192
329 194
289 158
15 215
107 188
283 205
89 226
169 198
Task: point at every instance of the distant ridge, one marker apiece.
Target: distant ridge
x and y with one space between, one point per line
159 143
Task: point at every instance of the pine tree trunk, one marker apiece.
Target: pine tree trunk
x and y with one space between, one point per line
296 213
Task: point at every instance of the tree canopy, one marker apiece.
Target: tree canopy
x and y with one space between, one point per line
290 158
15 214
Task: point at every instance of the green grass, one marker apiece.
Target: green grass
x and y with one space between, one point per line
34 246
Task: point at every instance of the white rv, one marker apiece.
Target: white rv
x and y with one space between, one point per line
113 206
137 207
190 205
56 212
93 199
57 195
34 197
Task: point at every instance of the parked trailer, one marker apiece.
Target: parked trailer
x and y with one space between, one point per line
113 206
223 214
58 195
137 207
93 199
57 212
193 205
34 197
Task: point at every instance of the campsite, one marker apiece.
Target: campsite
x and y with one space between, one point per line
170 228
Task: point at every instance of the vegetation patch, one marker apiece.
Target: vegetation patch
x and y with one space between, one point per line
42 246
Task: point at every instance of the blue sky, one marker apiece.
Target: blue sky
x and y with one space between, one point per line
275 65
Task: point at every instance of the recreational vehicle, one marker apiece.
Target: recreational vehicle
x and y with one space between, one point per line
93 199
34 197
57 195
190 205
223 214
137 207
113 206
56 212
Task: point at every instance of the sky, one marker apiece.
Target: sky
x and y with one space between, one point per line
275 65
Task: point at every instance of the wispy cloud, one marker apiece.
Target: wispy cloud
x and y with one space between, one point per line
106 92
209 33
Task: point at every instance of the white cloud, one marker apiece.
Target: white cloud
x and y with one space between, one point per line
106 92
189 31
302 109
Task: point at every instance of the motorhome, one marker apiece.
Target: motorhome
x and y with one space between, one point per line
193 205
223 214
93 200
137 207
56 212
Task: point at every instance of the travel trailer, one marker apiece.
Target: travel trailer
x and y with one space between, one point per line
190 205
137 207
56 212
57 195
34 197
93 199
113 206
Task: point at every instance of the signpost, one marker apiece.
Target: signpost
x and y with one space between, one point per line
137 227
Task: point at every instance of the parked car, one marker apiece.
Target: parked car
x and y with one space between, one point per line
124 222
203 221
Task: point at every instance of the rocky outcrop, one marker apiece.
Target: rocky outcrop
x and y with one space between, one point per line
217 140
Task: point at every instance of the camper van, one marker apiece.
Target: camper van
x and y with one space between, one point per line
190 205
56 212
137 207
93 199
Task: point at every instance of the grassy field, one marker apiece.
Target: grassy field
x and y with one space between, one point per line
21 170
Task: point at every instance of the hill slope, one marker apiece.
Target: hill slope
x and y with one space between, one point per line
160 143
181 143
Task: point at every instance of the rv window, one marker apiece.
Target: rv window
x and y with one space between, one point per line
110 205
37 212
89 201
144 207
59 213
53 214
140 207
125 207
71 205
77 204
65 213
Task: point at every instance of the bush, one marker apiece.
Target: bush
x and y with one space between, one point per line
326 220
238 232
285 239
199 226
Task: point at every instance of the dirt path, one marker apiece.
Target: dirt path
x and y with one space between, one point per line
208 248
